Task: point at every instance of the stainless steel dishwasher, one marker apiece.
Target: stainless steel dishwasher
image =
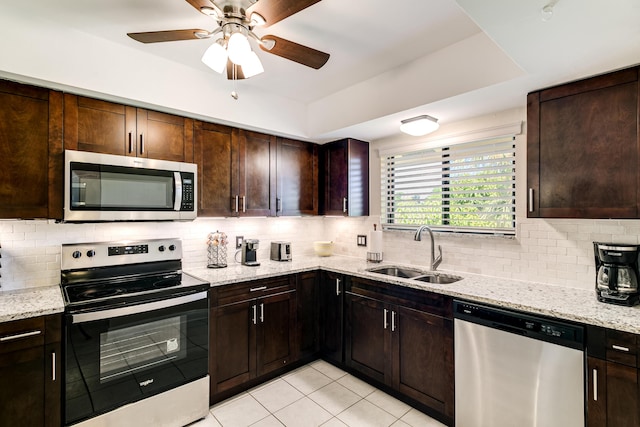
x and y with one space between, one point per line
514 369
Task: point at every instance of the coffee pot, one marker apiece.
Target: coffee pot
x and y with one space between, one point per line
617 273
250 252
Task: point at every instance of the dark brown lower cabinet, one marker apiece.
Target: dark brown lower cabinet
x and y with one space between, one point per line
403 339
308 311
252 332
331 316
30 373
613 379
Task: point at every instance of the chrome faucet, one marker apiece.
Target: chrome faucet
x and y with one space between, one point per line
435 262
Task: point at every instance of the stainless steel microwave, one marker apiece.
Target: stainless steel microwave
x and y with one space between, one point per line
104 187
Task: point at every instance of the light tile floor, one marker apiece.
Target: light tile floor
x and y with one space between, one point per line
317 394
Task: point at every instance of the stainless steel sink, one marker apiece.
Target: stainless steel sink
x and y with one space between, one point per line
415 274
404 272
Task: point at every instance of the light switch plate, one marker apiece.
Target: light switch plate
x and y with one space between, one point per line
362 240
239 240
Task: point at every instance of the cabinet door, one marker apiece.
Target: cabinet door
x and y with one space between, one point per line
99 126
164 136
596 392
31 152
217 169
22 387
335 179
358 178
332 296
622 396
307 311
233 352
276 340
257 160
368 344
297 178
582 148
423 358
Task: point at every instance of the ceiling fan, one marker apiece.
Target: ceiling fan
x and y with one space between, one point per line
236 20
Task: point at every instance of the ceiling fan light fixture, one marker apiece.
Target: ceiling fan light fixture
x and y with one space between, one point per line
238 48
419 126
209 11
215 57
252 65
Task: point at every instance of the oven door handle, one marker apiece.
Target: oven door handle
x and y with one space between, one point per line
136 309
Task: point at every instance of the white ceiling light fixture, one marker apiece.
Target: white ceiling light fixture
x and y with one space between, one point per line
419 126
233 46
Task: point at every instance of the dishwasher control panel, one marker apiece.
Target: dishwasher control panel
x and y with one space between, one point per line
525 324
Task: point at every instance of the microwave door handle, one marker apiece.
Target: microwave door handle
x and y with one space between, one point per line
177 178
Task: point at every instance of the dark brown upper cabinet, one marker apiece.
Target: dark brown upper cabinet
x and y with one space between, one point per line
106 127
31 152
236 171
345 178
297 178
583 151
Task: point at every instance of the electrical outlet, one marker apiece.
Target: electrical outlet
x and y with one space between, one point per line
362 240
239 240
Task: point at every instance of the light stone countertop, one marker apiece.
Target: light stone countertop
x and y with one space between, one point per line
31 302
533 297
578 305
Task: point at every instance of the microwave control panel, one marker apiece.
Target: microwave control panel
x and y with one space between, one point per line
188 189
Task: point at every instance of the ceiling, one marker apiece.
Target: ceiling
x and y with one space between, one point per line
390 60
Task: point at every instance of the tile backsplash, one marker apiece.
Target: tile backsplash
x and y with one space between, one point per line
558 252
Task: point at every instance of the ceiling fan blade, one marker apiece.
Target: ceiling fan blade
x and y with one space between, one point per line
295 52
199 4
166 36
239 75
276 10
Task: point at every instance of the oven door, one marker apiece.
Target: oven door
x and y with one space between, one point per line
122 355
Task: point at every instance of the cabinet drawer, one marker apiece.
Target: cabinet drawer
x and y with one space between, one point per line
230 294
621 347
22 334
416 299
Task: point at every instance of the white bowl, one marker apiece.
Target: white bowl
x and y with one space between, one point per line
323 247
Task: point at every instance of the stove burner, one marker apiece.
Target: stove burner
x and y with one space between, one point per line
121 286
99 293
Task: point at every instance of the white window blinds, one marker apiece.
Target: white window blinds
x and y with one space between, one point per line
467 187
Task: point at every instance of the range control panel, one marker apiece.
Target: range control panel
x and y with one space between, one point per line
103 254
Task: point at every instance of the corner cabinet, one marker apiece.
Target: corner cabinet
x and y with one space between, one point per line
613 378
252 332
31 151
106 127
402 338
30 371
345 178
332 316
583 148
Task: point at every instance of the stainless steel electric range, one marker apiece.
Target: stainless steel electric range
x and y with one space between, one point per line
136 335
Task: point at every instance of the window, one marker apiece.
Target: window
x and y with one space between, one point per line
467 187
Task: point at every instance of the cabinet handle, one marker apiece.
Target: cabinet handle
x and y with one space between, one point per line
384 322
255 314
142 143
244 204
53 366
344 204
235 204
595 384
620 348
337 287
130 142
261 288
278 204
530 199
393 321
261 313
18 336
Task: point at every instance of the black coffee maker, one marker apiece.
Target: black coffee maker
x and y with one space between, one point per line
617 273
